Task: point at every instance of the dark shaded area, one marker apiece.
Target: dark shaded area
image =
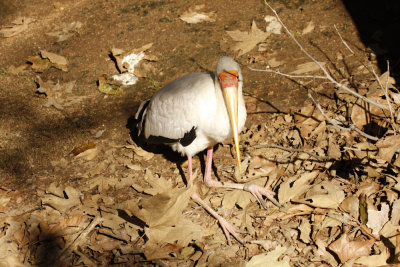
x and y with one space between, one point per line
378 24
47 250
132 219
6 8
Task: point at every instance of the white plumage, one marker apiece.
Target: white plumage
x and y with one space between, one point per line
194 100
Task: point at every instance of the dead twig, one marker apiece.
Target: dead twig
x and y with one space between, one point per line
320 158
289 75
343 41
385 91
339 126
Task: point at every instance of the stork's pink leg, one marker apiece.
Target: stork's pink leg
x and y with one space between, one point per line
226 226
257 191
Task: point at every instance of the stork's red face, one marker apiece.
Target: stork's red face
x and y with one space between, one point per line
229 82
229 78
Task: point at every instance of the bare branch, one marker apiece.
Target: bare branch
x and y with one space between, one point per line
385 91
337 125
320 158
289 75
343 41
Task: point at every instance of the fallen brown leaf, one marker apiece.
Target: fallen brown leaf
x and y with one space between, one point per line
296 186
58 61
346 249
388 146
248 40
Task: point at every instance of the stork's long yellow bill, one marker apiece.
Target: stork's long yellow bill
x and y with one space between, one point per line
229 82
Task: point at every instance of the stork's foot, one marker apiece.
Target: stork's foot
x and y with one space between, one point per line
225 225
229 229
258 192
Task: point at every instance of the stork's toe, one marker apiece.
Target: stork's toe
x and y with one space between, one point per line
258 192
229 229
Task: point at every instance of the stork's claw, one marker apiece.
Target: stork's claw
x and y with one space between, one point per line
229 229
225 225
258 192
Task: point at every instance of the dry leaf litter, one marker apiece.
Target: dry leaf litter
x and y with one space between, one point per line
339 191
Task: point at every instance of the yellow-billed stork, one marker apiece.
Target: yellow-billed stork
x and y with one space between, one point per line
198 111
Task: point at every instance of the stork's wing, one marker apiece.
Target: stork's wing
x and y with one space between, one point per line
177 109
141 115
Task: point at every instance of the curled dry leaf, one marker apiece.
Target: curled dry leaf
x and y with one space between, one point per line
140 152
164 208
296 186
307 68
269 259
364 150
158 184
305 112
375 89
66 31
182 234
19 25
62 204
309 28
373 260
305 231
378 218
388 146
395 219
274 26
106 86
324 195
39 64
351 205
194 15
346 249
234 197
307 127
361 112
57 61
368 188
334 149
89 154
